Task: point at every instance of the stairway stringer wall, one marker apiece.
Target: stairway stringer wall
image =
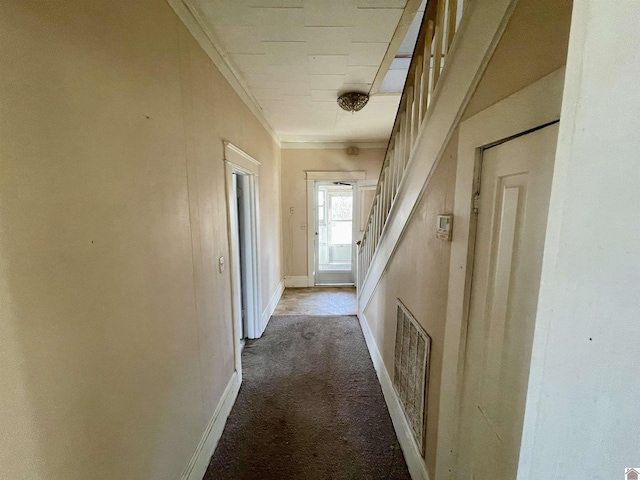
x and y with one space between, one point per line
480 30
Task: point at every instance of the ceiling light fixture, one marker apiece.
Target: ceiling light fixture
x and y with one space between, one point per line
353 101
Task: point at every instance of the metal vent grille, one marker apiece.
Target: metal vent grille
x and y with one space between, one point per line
411 371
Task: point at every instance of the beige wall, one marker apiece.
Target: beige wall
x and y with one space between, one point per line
417 274
115 325
418 270
294 193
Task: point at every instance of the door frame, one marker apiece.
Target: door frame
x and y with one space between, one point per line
238 162
536 105
464 457
312 177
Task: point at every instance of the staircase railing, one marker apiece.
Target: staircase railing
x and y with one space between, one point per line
437 31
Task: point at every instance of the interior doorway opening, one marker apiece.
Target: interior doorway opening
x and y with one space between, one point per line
243 231
241 180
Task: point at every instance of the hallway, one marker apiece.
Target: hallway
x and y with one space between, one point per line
310 405
317 301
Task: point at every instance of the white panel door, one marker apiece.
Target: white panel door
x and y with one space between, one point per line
515 186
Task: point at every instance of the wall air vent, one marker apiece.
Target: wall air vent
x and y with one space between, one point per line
411 371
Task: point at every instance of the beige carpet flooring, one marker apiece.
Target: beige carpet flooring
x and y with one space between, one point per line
310 408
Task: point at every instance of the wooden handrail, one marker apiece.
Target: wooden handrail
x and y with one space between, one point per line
436 35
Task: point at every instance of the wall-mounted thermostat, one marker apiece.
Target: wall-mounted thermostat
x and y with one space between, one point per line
444 227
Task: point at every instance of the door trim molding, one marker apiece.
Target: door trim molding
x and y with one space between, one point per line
329 176
535 105
239 162
240 159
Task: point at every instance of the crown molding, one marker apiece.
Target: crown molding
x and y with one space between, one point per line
330 145
194 21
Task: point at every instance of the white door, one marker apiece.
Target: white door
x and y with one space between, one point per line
515 185
334 233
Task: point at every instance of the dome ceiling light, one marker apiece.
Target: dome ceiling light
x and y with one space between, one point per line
353 101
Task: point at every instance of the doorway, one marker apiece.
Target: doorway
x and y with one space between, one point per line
512 207
241 185
334 246
242 173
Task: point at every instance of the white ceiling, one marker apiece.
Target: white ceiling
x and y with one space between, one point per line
297 56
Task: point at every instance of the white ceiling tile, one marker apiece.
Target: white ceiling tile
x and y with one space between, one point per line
359 74
257 79
283 18
274 33
223 12
296 56
240 39
330 13
376 24
289 73
274 3
295 88
329 40
266 93
286 53
328 64
367 54
247 63
327 82
324 95
325 106
355 87
280 24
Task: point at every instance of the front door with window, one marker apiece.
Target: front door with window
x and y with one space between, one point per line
334 234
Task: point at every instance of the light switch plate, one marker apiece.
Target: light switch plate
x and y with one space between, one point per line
221 264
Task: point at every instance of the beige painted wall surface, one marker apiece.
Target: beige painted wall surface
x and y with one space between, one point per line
294 193
115 325
533 45
417 274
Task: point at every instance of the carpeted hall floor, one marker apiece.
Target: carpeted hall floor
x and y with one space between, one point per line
310 407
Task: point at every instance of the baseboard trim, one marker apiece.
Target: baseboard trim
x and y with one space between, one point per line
296 282
273 303
415 462
199 462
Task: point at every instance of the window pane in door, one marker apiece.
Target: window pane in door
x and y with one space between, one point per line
341 207
341 233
